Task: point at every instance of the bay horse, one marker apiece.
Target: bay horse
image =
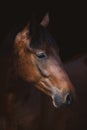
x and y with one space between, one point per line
30 67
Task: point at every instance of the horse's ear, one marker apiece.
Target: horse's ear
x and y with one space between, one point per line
45 20
22 35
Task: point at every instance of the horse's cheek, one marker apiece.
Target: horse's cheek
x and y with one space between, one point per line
28 73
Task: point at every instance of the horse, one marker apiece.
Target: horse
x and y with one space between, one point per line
33 83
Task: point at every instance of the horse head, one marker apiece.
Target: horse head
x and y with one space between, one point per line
37 61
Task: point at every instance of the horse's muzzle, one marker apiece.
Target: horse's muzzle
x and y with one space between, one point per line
59 100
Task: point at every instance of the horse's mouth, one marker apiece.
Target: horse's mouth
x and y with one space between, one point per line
56 105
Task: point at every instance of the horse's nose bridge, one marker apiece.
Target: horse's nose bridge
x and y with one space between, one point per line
61 79
59 73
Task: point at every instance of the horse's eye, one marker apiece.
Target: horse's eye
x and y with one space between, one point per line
41 55
28 33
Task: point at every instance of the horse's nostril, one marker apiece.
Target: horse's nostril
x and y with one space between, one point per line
69 99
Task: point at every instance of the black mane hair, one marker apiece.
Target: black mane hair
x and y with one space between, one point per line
41 36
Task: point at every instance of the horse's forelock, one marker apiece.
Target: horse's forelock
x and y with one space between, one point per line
41 37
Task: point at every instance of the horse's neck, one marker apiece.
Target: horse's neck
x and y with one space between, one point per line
21 88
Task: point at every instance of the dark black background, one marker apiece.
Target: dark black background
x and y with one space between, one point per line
67 22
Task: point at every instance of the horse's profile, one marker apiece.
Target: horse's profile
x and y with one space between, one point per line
29 66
